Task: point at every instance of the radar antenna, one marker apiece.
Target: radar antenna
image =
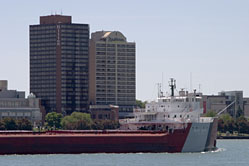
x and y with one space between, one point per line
172 85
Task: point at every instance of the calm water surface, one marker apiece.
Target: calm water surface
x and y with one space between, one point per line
230 153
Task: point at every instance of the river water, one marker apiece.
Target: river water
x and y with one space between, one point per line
230 153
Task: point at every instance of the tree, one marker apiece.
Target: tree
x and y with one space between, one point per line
77 121
242 125
53 119
210 114
226 123
239 112
105 124
10 124
226 118
110 124
82 124
97 125
83 121
140 103
2 126
24 124
221 126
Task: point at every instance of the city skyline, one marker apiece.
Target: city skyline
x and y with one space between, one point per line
208 40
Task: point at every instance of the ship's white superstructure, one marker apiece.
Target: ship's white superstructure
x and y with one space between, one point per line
171 111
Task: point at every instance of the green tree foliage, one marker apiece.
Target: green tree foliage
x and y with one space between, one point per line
210 114
226 118
10 124
77 121
13 124
24 124
83 121
228 124
53 119
242 125
97 125
2 126
140 103
110 124
239 112
105 124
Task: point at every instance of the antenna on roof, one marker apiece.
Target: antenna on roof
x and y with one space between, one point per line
61 12
162 82
191 82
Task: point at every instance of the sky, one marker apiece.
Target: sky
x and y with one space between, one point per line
203 44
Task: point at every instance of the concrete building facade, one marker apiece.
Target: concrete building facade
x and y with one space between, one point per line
13 104
213 103
246 107
234 96
112 78
59 63
104 112
238 104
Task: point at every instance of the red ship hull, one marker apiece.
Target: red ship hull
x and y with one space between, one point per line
93 142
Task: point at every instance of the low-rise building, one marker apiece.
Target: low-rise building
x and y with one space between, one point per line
104 112
235 109
13 104
232 101
213 103
246 107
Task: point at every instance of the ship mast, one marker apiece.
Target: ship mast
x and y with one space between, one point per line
172 85
160 93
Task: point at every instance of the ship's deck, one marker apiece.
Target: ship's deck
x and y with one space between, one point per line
84 134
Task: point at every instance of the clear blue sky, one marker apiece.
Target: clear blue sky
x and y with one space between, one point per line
208 38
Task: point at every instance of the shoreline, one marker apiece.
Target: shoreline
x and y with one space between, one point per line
232 137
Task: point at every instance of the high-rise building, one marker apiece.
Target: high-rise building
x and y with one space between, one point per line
112 71
59 63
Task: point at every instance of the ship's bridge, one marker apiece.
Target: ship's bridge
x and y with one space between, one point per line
175 104
185 107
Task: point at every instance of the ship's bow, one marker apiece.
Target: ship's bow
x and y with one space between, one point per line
212 135
202 136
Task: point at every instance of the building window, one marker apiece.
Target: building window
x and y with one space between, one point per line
100 116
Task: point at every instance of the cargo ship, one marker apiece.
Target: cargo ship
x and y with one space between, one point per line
171 124
180 117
